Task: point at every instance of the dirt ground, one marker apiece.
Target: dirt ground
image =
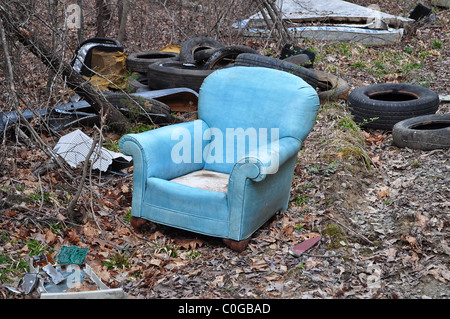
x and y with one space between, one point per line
382 211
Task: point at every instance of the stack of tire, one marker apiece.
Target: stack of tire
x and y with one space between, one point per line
139 62
409 111
200 56
145 108
188 70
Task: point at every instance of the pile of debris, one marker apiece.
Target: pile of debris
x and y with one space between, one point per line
336 20
165 81
67 278
162 88
164 84
189 64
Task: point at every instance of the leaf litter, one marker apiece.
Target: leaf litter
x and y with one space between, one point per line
381 213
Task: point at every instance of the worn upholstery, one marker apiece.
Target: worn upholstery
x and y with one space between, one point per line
250 178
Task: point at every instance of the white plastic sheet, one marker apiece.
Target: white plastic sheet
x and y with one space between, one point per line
74 148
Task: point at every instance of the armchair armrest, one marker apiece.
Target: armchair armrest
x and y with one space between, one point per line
256 168
258 163
166 152
249 185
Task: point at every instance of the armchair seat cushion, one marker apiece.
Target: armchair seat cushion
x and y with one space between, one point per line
205 179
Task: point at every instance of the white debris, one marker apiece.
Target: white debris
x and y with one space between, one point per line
339 21
75 146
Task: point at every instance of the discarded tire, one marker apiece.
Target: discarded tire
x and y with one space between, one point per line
383 105
202 56
83 55
300 59
137 84
176 74
331 87
193 45
139 62
426 132
249 59
225 56
290 50
141 107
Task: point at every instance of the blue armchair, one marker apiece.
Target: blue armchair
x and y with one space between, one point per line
225 174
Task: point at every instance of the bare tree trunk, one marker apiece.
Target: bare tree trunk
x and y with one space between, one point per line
103 15
74 80
80 31
53 8
123 16
100 18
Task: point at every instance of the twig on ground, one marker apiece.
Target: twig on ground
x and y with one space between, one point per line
73 202
355 232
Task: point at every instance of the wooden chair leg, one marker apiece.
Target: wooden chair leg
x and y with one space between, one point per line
137 223
238 246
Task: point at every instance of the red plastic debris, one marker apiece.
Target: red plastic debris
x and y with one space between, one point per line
299 249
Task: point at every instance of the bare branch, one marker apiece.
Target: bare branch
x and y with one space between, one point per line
15 100
74 201
275 20
74 80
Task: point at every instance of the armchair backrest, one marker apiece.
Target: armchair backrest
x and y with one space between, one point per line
242 101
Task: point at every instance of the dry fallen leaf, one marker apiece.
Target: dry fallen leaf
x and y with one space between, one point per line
421 220
156 235
439 273
50 237
155 262
189 243
218 281
89 232
383 193
288 230
259 264
412 241
309 235
61 217
376 160
123 231
72 236
11 213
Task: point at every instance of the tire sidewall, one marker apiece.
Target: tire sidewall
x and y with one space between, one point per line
360 98
406 134
387 113
175 74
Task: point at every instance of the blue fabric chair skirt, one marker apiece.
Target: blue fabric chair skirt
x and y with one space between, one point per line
185 207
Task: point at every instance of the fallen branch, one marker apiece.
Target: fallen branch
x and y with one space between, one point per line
15 101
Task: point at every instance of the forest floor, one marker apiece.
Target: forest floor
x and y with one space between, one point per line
382 211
